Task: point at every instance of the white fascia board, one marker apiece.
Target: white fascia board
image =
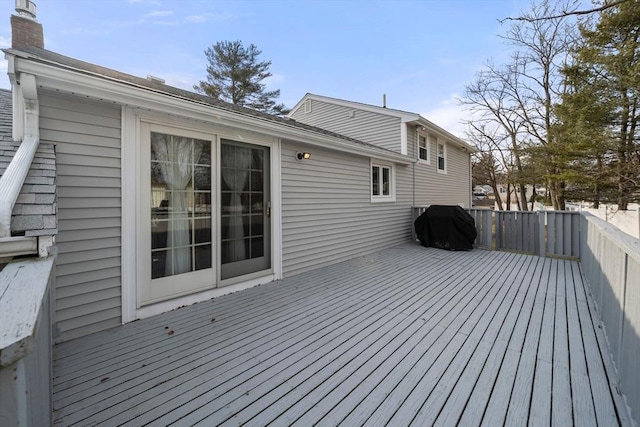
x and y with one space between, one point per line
125 93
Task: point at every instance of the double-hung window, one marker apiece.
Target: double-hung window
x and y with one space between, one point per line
382 182
423 148
442 158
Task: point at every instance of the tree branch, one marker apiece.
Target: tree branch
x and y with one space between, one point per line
564 14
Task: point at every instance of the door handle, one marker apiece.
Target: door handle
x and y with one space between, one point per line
268 210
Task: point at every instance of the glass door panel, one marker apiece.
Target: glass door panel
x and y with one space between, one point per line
245 209
180 215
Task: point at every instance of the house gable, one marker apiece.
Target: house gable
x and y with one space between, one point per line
366 123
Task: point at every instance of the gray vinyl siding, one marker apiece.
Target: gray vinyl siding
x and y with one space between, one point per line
88 275
327 214
433 188
378 129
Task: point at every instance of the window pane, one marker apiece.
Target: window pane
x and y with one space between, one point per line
158 264
202 231
375 184
423 153
203 257
159 234
257 226
202 178
203 152
386 180
257 247
175 202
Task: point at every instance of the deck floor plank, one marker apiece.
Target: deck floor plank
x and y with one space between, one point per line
525 356
583 409
502 359
561 402
408 335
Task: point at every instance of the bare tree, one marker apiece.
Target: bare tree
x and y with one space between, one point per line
518 98
542 50
497 122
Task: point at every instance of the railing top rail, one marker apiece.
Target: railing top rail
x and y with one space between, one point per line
23 289
561 212
625 242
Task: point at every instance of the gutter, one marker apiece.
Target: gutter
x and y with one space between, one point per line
14 176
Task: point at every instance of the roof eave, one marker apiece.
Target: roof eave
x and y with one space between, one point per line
429 125
55 76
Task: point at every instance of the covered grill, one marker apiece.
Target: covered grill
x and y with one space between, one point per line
446 227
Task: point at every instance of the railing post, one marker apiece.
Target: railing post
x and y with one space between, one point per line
541 234
487 226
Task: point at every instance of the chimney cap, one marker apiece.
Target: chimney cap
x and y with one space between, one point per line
26 8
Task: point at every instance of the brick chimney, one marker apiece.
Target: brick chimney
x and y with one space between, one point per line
25 30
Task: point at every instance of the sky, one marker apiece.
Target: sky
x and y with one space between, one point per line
420 53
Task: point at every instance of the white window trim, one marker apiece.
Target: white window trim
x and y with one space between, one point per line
392 185
427 137
444 154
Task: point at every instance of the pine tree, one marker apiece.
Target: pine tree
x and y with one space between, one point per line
600 114
235 74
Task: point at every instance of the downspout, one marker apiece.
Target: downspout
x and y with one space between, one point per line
416 150
14 176
470 181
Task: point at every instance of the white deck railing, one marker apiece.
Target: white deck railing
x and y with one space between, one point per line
611 265
25 342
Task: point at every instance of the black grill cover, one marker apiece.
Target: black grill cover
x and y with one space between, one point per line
446 227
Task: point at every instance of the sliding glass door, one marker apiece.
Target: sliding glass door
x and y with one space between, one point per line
204 212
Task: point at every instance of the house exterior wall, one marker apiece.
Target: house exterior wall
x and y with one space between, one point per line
88 284
432 187
378 129
327 213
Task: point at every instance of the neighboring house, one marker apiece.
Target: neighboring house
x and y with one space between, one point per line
442 172
166 197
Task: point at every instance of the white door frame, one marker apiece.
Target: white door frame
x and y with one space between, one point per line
130 184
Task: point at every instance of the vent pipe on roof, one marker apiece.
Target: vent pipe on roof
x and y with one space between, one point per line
25 30
384 100
26 8
155 79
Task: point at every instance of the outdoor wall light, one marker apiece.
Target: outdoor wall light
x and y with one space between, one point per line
303 156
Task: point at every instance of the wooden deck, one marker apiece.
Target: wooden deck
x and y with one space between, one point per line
405 336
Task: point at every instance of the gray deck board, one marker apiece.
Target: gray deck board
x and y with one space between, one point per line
406 336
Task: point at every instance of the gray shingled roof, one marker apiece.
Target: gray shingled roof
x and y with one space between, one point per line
35 211
47 56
